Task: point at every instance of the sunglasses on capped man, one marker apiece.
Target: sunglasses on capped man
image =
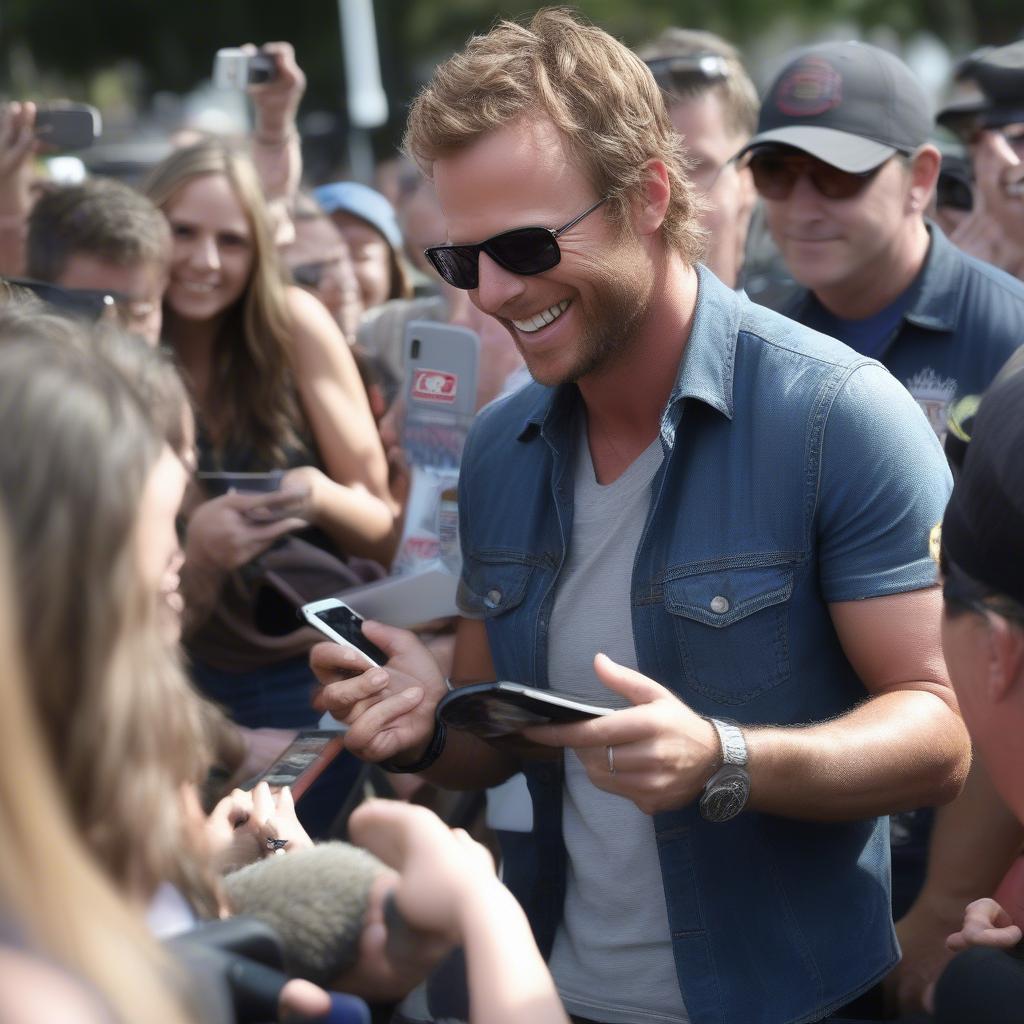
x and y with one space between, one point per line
776 170
523 251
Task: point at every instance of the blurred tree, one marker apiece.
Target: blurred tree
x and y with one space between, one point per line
173 43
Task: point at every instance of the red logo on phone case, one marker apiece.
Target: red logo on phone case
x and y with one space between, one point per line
434 386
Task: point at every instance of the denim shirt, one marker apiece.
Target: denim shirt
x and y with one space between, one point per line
797 473
964 320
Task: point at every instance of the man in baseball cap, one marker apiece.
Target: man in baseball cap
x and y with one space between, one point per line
843 164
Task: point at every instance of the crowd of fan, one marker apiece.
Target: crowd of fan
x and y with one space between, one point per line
225 316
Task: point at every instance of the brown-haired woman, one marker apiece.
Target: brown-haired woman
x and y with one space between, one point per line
275 387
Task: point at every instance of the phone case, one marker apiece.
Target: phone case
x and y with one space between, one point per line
497 709
303 761
441 368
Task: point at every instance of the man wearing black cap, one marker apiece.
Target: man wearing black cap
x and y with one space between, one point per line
989 120
982 555
842 161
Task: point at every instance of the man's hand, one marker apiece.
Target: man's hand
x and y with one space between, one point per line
230 531
663 751
389 710
985 924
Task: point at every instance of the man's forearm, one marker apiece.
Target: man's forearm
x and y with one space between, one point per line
469 763
897 751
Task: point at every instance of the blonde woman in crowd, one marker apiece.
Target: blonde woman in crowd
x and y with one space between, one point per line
70 948
275 388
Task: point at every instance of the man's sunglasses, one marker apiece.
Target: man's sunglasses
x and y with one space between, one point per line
683 74
522 251
777 169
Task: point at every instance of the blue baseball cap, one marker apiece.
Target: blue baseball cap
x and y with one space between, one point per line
363 202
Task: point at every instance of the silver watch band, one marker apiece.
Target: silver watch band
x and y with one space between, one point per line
734 747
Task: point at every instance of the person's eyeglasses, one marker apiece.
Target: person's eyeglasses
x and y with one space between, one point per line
776 171
681 74
309 275
521 251
84 303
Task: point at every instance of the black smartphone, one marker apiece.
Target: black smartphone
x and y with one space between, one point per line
344 626
68 125
216 483
501 709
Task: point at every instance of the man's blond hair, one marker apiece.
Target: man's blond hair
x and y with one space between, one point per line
599 95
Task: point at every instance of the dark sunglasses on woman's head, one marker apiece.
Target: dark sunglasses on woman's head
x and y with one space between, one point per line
776 170
521 251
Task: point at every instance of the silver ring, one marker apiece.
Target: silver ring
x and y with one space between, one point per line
610 751
276 845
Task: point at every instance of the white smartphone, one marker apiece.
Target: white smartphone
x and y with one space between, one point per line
341 624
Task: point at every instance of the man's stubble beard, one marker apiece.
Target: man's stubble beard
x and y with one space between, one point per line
612 327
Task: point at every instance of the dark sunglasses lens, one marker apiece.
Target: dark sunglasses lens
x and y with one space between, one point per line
456 264
525 251
833 183
308 275
774 176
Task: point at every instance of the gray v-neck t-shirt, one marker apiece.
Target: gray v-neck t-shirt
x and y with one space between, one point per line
612 959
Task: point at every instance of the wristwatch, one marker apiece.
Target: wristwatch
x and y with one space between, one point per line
727 791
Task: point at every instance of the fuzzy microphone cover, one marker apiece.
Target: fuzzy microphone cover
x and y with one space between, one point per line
315 900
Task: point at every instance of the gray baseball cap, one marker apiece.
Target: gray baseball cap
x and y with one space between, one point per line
850 104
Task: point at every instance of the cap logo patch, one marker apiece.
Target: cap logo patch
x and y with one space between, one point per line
812 87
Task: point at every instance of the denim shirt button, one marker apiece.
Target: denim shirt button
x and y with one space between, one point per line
719 605
492 598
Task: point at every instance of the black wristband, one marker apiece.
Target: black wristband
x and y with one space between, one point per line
430 755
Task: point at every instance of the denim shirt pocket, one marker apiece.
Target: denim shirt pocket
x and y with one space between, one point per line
732 628
492 583
495 588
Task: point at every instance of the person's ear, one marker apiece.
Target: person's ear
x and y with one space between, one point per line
652 202
1005 667
924 173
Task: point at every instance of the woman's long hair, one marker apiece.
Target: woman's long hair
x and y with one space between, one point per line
252 368
123 727
51 890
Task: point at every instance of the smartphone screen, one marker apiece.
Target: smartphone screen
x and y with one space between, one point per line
348 625
302 761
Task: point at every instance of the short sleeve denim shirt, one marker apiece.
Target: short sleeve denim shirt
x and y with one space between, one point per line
796 473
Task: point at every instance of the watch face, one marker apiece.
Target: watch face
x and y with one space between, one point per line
726 794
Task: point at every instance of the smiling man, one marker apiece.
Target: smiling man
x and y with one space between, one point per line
842 161
706 493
